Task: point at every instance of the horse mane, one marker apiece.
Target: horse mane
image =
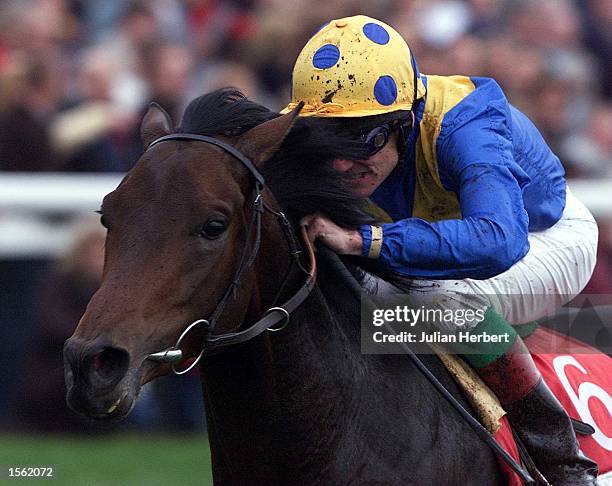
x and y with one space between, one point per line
300 173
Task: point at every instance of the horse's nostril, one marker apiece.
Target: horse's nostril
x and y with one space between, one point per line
110 363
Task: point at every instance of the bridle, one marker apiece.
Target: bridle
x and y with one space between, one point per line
275 318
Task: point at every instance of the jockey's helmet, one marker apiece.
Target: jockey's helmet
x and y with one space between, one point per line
355 67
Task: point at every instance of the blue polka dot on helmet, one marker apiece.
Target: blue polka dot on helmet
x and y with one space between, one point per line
376 33
326 56
353 67
385 90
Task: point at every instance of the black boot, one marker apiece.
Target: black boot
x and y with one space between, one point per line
538 419
546 431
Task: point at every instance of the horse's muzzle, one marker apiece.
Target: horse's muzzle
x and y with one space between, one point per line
93 372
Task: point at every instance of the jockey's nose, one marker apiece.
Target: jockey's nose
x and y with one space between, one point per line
343 165
94 365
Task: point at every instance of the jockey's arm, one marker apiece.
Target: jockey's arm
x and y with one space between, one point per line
490 237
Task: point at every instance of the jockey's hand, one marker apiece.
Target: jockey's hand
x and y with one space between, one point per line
342 241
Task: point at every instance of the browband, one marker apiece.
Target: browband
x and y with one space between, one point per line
214 141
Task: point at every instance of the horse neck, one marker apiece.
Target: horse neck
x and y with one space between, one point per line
299 406
264 397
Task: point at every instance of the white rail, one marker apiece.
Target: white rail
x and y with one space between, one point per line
38 210
54 192
28 199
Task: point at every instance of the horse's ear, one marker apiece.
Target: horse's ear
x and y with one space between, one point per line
260 142
156 123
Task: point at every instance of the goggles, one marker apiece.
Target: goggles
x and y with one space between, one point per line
378 137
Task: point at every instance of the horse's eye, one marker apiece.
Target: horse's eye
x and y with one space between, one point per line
213 228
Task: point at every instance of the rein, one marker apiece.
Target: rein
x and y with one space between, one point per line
275 318
350 281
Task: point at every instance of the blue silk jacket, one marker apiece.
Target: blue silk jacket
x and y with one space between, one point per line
476 178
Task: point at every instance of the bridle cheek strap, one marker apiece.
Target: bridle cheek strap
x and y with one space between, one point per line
275 315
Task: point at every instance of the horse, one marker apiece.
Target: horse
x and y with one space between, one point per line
192 233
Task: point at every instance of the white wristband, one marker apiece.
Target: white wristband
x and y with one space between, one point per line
376 244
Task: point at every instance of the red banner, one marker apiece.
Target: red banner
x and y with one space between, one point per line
581 378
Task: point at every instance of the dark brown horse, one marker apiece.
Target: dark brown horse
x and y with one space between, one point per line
301 406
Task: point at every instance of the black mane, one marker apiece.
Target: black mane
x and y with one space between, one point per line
300 174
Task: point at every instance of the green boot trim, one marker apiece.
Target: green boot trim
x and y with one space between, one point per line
525 330
481 354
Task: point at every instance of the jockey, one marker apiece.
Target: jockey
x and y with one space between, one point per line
471 201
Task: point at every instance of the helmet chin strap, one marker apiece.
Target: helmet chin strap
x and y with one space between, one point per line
405 127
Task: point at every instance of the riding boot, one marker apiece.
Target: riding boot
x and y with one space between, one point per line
538 418
535 414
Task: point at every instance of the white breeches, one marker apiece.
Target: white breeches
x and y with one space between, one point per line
557 267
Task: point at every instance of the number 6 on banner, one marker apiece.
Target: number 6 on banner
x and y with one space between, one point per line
586 390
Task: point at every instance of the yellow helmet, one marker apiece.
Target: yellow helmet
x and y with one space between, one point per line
353 67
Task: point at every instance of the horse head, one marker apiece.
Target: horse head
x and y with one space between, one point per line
178 228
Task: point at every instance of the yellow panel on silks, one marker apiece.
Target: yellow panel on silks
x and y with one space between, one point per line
432 201
377 212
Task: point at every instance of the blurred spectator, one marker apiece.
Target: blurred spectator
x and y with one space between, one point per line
547 24
85 135
597 34
168 70
26 116
589 151
99 18
37 27
518 68
441 24
487 17
99 131
233 74
60 301
551 112
217 27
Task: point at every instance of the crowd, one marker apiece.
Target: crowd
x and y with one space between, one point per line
77 75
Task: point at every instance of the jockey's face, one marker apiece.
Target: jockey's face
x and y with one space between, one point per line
364 176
